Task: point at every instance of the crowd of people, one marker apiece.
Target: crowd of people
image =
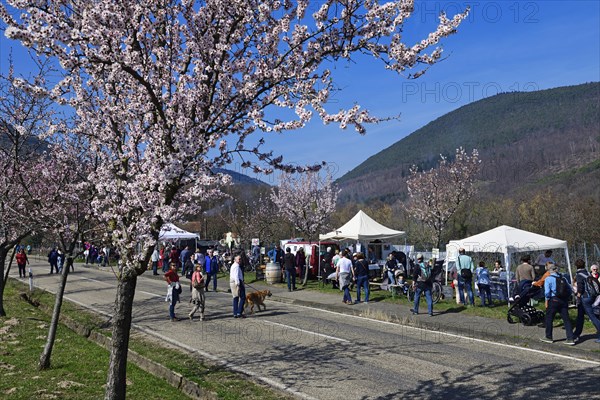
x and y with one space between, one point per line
345 269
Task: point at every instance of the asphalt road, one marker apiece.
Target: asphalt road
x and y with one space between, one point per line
319 354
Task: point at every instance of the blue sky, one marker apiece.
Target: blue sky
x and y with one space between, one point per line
503 46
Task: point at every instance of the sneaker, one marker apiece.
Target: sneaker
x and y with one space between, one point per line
431 314
191 317
570 342
547 340
597 341
414 312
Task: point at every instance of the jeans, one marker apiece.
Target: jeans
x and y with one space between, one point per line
347 296
585 307
391 278
557 305
428 298
290 277
210 276
155 267
462 284
174 300
485 293
362 282
238 301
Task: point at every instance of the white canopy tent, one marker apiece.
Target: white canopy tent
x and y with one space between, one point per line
362 228
507 240
171 232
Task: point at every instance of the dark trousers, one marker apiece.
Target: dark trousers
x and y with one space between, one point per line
238 302
53 266
585 307
290 277
485 294
22 270
211 276
556 305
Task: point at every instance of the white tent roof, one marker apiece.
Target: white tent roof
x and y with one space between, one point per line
505 239
362 227
172 232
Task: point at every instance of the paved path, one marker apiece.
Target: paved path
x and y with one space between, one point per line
310 344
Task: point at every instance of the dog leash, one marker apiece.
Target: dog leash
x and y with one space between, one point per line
251 287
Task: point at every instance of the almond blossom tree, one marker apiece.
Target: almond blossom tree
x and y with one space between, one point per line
23 115
306 201
435 195
64 203
160 85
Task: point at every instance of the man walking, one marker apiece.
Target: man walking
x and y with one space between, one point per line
238 290
212 267
557 291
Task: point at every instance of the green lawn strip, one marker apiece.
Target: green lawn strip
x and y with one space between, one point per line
78 368
226 384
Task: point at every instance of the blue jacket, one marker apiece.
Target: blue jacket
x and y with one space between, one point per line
212 264
550 286
483 276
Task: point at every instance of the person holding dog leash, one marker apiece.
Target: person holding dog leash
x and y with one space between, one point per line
238 290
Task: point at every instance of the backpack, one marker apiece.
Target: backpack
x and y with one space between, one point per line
563 289
465 273
592 287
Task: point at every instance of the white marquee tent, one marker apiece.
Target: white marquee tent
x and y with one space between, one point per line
362 228
172 232
507 240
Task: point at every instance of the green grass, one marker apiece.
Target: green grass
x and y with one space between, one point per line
226 384
79 367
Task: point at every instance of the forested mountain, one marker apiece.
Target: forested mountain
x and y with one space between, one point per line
529 142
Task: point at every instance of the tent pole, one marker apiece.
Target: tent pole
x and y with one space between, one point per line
507 255
568 263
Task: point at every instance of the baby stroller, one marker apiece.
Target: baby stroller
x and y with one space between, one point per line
523 312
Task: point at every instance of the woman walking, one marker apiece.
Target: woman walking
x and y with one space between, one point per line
197 293
22 261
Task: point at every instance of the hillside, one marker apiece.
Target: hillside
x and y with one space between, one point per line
528 141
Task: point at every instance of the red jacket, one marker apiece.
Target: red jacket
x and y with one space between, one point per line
21 258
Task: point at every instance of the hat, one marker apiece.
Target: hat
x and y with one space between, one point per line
419 256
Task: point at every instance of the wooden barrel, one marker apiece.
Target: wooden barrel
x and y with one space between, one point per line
273 273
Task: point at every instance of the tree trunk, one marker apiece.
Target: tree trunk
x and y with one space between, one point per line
117 373
3 252
47 352
10 260
307 265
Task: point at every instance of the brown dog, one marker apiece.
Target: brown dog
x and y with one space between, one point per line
258 299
